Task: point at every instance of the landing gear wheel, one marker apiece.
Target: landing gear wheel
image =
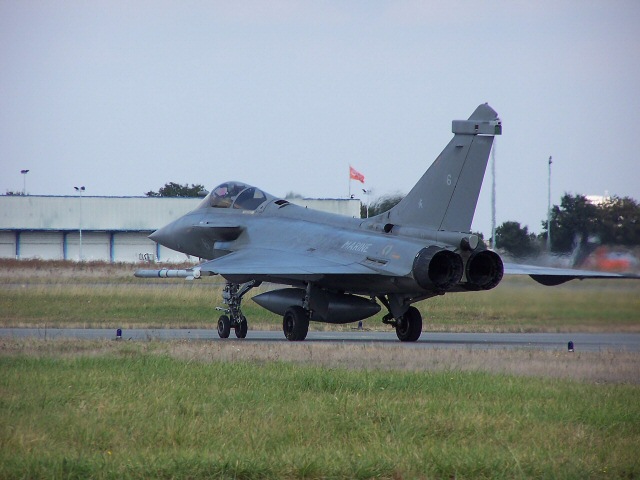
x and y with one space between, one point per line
409 326
241 327
295 324
224 326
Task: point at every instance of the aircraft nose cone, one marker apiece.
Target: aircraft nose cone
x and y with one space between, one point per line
161 236
155 236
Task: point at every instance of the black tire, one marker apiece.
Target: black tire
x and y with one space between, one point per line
409 326
295 324
224 326
242 327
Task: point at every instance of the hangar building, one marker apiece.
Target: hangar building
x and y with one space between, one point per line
112 229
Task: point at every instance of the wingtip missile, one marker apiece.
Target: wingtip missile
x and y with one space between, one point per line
189 274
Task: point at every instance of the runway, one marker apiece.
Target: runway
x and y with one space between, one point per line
586 342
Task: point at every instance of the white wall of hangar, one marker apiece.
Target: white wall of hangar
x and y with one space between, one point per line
106 246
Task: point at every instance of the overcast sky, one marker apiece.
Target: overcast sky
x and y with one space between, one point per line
123 97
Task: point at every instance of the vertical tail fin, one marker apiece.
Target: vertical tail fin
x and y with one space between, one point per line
445 197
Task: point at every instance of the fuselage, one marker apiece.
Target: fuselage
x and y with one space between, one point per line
389 255
203 233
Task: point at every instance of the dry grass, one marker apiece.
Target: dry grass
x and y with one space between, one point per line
600 367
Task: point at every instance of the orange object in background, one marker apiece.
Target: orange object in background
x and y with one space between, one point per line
605 259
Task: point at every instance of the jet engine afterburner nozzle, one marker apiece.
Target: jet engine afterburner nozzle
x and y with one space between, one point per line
484 270
437 267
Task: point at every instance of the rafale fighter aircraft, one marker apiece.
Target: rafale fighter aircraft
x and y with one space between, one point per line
340 269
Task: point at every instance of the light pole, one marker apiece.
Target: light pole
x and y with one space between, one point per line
493 195
549 208
24 181
80 190
368 194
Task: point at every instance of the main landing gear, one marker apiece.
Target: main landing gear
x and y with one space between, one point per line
295 323
233 317
408 324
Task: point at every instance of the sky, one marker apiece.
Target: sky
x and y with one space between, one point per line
122 97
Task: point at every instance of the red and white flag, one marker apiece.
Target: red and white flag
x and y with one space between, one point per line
355 175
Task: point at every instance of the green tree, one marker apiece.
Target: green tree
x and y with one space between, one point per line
293 195
516 240
619 222
173 189
575 220
381 204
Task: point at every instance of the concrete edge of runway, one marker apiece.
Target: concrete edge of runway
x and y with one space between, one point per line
489 341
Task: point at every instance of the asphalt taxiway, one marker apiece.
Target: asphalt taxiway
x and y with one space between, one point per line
541 341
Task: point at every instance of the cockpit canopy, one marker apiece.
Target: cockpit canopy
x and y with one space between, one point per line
235 195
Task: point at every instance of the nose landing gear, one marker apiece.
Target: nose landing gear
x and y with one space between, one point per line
233 317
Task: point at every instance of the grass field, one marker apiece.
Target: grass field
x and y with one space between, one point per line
241 409
127 410
103 295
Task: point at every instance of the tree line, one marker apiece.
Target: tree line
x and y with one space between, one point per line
615 221
576 221
173 189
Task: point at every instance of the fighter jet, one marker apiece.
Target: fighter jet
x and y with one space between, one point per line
338 269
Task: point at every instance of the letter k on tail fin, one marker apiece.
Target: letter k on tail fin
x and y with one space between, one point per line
445 197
